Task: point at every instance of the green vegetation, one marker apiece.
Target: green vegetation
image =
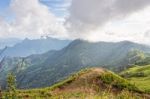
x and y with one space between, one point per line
140 76
118 82
145 61
88 83
11 87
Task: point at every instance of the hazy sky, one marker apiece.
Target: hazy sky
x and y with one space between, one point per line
94 20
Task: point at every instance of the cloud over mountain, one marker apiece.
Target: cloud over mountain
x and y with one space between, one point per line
88 17
93 13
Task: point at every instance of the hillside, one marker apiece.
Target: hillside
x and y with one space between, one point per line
94 82
54 66
37 46
140 75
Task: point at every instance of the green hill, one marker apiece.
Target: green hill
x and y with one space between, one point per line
93 83
140 75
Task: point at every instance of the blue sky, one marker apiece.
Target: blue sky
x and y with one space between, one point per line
58 7
3 6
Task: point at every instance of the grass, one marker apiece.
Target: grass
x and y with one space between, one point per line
118 82
91 83
124 94
140 76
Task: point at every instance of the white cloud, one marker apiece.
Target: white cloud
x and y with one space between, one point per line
4 27
93 13
94 20
32 19
109 20
133 28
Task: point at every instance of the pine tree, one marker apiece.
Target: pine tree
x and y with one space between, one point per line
11 86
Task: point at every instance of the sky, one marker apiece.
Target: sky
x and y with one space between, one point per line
93 20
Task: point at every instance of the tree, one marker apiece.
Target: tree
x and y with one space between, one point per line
11 85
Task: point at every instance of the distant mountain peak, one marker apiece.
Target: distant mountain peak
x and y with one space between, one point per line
35 46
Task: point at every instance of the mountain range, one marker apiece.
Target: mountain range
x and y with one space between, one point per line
36 46
56 65
8 42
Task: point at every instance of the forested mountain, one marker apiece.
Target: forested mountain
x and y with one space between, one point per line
53 66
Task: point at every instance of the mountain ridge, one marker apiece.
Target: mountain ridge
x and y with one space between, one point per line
54 66
36 46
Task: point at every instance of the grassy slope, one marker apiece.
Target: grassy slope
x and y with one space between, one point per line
140 75
89 83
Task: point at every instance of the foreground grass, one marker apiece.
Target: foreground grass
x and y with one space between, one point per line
103 94
82 95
